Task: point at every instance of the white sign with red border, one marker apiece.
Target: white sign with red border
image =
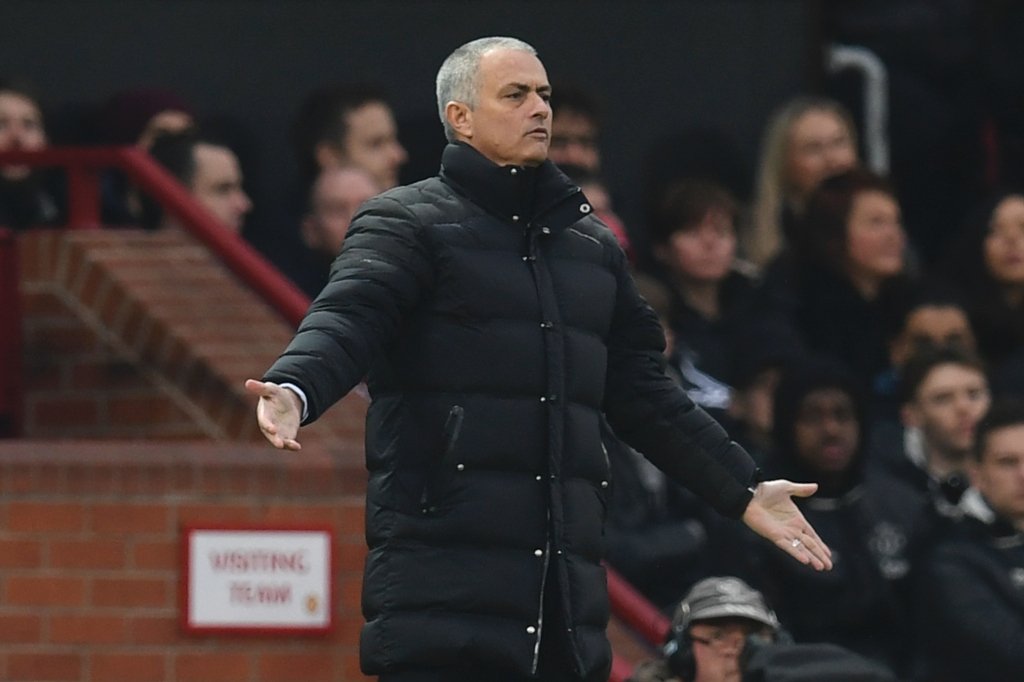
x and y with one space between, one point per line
257 580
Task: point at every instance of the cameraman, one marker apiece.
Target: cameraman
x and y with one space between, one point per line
723 631
709 630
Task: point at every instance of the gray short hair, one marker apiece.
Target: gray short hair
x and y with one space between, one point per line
456 79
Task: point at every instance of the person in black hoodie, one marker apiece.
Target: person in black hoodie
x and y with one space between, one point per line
873 523
971 605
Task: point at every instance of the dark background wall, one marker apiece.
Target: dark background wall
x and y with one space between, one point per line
660 66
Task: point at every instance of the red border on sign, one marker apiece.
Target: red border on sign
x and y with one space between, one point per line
256 630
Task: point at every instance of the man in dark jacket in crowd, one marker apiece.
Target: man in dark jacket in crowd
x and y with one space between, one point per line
874 523
495 321
972 591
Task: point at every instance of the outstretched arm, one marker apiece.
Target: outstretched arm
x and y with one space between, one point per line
772 514
278 412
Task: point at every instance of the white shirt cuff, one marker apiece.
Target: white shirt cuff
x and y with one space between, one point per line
302 396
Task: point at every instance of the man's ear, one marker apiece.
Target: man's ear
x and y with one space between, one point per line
328 156
909 416
460 118
310 233
662 254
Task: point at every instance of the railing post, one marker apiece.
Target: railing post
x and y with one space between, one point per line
11 387
83 196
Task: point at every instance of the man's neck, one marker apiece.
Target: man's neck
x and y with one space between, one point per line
702 296
943 463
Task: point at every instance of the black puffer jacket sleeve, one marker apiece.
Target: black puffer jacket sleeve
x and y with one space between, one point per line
376 281
650 412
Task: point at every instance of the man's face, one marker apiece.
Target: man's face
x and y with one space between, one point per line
511 122
826 432
717 645
574 141
754 404
1004 244
932 325
703 253
21 129
371 143
874 236
819 145
947 407
999 476
217 184
337 195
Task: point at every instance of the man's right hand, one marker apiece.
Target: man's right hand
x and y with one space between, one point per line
279 413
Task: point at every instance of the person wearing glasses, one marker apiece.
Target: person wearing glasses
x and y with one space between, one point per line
709 631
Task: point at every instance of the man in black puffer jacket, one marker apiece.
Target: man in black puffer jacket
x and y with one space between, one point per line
495 321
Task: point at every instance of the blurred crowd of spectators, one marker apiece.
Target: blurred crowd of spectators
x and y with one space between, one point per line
834 345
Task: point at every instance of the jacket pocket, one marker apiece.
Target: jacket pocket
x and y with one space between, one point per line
439 480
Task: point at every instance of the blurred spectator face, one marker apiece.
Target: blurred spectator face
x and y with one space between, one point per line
1004 244
820 145
717 645
874 237
574 141
947 407
165 123
21 129
932 325
753 404
601 202
999 473
371 143
337 194
826 432
703 252
217 185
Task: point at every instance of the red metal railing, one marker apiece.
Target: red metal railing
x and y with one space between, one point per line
84 166
10 339
636 612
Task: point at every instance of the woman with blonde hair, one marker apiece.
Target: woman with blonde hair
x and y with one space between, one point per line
806 140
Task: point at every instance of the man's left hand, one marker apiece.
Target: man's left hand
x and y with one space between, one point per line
772 514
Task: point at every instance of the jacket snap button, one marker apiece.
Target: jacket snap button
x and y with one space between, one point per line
539 477
513 171
585 208
538 552
547 325
604 484
515 219
546 230
530 629
461 467
543 398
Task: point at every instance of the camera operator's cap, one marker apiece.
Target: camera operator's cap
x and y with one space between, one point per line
723 597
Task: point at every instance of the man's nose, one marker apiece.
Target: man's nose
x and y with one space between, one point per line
541 106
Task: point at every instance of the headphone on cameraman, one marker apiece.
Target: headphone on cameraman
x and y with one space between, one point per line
678 647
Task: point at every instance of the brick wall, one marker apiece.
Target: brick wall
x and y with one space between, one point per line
135 349
90 558
131 334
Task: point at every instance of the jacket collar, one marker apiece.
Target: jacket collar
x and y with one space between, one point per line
520 195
